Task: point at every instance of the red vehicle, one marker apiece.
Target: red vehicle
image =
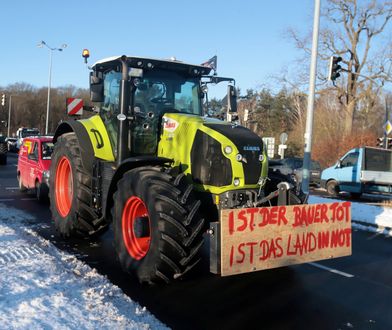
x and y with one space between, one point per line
33 165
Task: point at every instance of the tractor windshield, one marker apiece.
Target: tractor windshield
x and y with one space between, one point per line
164 91
157 93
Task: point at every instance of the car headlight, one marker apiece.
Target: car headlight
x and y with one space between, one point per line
46 175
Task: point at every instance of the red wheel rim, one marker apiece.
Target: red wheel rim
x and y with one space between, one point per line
135 213
63 187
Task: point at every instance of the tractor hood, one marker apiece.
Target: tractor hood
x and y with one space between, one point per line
217 155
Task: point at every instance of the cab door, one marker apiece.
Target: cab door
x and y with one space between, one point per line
23 162
33 164
348 173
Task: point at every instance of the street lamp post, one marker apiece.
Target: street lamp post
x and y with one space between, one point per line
60 49
9 117
312 87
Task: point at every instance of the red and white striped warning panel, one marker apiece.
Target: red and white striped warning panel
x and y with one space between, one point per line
74 106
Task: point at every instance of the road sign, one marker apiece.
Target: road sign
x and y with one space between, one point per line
283 138
388 127
281 149
74 106
270 144
246 115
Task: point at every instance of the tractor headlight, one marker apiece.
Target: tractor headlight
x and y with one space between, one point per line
236 182
238 157
228 150
261 158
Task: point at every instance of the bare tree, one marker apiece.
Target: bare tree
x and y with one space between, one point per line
29 105
359 32
355 26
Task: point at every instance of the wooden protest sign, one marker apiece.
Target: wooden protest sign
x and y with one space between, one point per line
268 237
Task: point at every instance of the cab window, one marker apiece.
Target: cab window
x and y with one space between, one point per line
350 160
34 152
47 149
297 164
111 105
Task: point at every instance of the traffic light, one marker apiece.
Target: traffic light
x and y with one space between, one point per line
334 68
380 142
3 99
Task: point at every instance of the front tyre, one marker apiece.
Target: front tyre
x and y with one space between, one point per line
41 192
70 191
3 159
22 188
332 188
157 226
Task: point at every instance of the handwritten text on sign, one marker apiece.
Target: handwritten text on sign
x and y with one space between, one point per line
269 237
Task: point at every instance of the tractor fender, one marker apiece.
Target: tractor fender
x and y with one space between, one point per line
125 166
87 152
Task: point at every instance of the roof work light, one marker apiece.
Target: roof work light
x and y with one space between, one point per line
86 55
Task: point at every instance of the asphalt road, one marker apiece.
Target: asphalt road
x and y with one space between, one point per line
350 292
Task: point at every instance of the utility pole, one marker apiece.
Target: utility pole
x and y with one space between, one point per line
386 122
9 117
309 115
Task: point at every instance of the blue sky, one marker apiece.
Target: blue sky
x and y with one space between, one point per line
248 36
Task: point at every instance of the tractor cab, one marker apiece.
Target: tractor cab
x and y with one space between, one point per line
136 93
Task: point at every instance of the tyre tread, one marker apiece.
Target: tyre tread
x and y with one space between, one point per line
178 222
85 221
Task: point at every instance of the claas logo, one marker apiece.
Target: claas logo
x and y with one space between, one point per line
170 124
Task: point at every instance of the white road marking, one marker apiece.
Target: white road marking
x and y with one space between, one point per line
6 200
11 188
335 271
28 199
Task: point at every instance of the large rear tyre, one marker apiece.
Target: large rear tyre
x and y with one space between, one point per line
70 191
157 226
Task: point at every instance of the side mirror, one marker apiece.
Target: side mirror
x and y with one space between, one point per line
231 98
96 88
338 164
203 91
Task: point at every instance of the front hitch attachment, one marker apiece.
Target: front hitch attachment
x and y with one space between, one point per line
282 193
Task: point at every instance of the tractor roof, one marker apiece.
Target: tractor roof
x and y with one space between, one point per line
149 63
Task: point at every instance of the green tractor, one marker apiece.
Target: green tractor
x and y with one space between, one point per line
155 167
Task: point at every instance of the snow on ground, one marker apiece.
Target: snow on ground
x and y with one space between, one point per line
42 287
365 217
